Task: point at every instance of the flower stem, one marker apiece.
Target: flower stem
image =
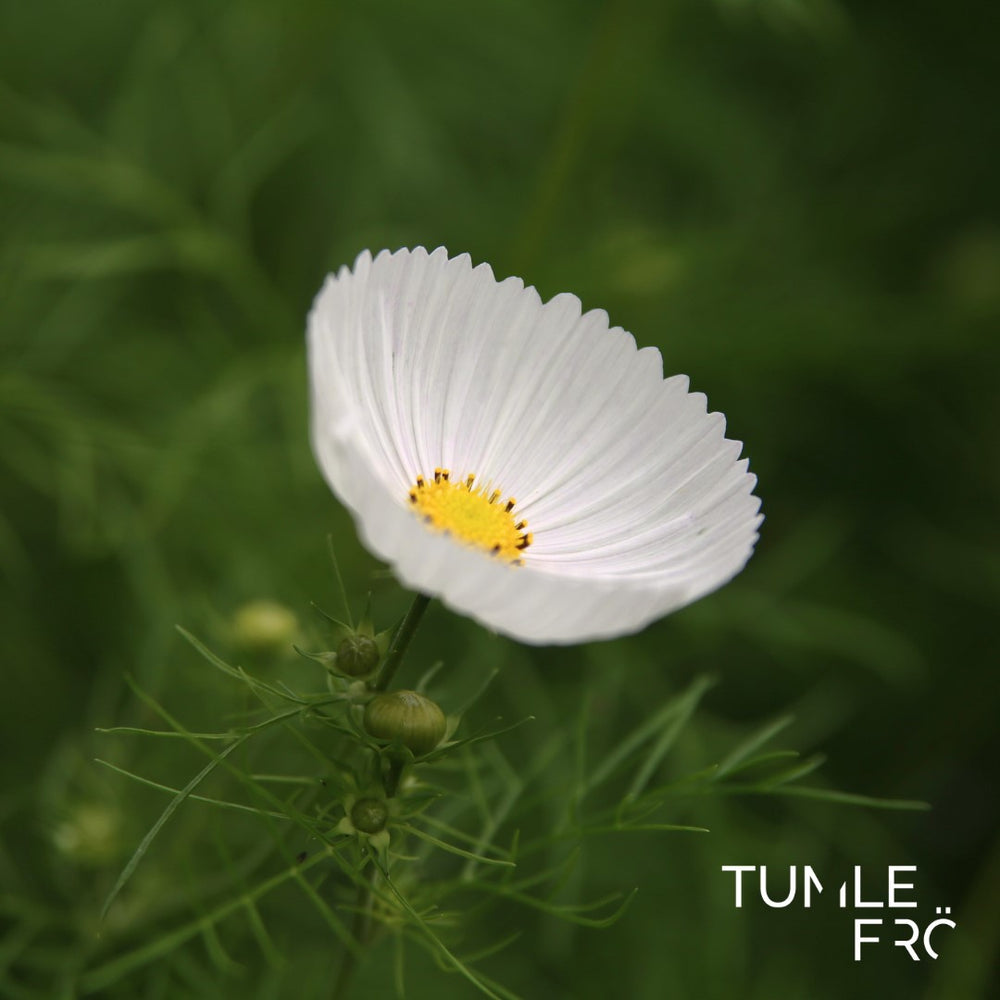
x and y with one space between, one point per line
360 931
401 640
361 927
390 781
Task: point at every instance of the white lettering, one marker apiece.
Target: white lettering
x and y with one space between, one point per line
739 869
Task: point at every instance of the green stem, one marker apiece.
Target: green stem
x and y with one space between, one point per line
360 931
390 781
401 640
361 927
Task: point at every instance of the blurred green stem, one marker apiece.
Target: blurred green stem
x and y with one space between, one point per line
362 925
401 640
391 780
361 931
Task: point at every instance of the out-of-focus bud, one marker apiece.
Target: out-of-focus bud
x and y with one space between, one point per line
408 718
968 271
90 834
264 626
357 655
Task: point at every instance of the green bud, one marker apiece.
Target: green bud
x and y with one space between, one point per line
406 717
369 815
264 626
357 655
90 834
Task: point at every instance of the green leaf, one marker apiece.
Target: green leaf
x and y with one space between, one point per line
106 975
750 744
469 741
846 798
685 708
222 803
452 849
172 807
652 727
438 946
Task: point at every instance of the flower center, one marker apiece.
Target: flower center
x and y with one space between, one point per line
474 514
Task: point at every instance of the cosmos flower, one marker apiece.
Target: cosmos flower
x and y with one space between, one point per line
521 460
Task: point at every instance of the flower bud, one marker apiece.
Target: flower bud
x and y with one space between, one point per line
264 626
369 815
357 655
406 717
90 834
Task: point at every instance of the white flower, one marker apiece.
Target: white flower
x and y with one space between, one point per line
521 461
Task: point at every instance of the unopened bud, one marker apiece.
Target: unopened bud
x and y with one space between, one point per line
406 717
369 815
357 655
264 626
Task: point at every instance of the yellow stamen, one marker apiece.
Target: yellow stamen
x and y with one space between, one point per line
471 514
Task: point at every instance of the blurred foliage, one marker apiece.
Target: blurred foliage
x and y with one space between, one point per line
794 199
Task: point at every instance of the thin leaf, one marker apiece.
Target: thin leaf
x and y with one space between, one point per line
303 821
471 740
328 617
635 828
749 745
170 733
111 972
763 758
452 849
399 966
478 693
240 674
222 803
428 675
685 709
847 798
447 828
340 581
178 798
646 731
438 945
795 773
573 913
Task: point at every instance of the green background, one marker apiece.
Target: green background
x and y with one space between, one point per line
796 200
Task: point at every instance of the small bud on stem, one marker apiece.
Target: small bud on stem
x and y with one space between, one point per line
357 655
369 815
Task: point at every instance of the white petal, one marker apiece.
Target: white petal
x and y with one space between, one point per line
637 502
